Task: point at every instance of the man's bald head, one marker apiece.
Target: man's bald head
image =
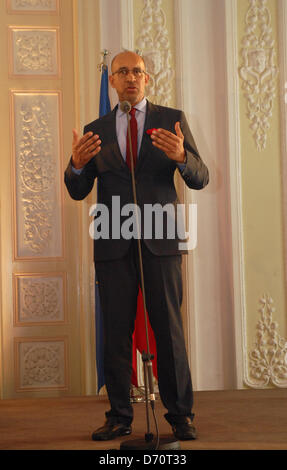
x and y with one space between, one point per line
125 54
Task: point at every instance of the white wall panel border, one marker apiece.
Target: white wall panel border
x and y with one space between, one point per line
34 52
282 24
239 301
33 6
127 25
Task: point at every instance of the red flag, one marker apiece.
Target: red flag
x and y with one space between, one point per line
139 340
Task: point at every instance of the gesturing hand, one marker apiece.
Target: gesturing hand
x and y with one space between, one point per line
84 148
171 144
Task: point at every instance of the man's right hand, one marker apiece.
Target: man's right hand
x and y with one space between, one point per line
84 148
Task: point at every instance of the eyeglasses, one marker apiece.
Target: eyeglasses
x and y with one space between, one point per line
123 72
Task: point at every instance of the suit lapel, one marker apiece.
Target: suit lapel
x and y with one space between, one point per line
151 121
111 136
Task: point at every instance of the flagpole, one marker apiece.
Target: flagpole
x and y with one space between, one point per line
102 65
104 108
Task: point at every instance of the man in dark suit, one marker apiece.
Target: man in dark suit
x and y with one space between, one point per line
103 153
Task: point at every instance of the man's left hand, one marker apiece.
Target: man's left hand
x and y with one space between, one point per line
171 144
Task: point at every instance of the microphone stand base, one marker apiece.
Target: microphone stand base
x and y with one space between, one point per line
165 443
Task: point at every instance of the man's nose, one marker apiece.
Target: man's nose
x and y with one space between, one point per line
130 75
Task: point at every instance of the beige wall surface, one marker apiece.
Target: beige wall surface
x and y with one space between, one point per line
262 203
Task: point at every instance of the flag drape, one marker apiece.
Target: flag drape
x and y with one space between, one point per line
139 340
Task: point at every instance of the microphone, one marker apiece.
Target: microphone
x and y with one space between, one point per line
125 106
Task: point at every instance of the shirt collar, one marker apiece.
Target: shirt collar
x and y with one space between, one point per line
141 106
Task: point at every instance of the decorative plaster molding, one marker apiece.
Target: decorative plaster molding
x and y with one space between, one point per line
37 155
153 43
258 71
41 363
34 52
39 299
268 360
33 6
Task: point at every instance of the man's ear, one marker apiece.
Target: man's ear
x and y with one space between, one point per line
111 80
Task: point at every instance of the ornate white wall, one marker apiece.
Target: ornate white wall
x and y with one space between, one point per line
209 57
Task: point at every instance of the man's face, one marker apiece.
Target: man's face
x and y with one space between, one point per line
128 87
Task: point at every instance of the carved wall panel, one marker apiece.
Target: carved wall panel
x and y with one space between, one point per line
34 52
39 299
33 6
41 363
259 71
268 359
36 120
153 43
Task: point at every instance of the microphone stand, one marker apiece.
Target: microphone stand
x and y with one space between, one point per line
148 443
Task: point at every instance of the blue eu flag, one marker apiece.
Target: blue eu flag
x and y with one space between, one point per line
105 108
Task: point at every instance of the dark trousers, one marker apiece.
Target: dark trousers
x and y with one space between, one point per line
118 286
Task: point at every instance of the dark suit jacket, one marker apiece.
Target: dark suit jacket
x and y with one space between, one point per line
154 174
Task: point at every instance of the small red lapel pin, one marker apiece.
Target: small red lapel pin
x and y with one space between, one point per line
150 131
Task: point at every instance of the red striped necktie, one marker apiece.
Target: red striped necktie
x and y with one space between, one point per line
134 139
